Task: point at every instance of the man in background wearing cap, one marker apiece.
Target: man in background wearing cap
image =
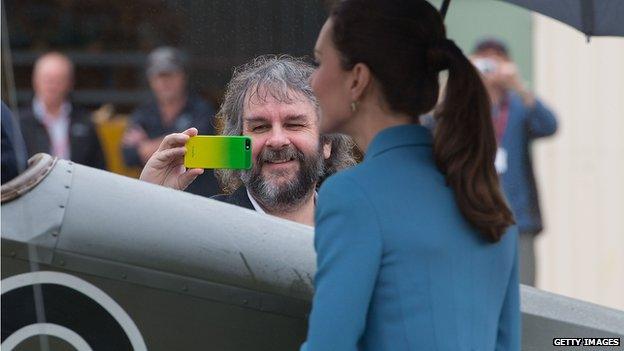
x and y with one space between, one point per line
171 110
52 124
519 117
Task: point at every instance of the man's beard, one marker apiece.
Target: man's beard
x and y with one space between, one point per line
288 194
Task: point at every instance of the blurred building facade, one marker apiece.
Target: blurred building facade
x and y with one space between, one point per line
109 40
581 170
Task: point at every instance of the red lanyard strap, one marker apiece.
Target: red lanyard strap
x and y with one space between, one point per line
500 120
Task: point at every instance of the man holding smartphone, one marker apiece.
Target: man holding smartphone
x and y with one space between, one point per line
269 100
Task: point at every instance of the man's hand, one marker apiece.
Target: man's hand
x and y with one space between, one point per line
166 166
508 76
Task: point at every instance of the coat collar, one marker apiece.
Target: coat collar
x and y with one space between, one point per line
397 136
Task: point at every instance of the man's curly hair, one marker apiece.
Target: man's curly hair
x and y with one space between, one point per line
285 79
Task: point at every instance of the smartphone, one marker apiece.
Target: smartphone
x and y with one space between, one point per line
217 151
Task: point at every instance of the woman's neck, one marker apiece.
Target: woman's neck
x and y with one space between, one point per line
370 120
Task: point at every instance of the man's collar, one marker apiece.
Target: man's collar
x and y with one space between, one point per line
40 111
403 135
259 208
255 204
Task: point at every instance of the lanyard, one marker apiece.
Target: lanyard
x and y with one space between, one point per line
500 119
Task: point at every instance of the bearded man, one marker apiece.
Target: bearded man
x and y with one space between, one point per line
269 100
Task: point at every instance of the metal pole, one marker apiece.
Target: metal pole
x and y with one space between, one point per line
444 8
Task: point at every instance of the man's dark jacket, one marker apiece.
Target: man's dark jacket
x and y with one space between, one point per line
84 143
238 198
12 161
196 113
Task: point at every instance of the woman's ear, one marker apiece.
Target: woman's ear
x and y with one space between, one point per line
361 78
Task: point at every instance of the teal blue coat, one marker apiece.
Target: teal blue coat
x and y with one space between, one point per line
399 268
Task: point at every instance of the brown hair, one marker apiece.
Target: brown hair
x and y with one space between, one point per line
406 38
283 76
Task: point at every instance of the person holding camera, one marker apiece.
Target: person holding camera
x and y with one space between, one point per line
268 99
519 118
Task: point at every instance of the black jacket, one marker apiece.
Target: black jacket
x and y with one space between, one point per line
84 143
197 113
12 160
238 198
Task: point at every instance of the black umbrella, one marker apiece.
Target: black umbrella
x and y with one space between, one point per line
592 17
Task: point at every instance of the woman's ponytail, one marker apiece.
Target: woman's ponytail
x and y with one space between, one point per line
404 44
465 145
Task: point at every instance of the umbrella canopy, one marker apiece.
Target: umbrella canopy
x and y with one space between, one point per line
592 17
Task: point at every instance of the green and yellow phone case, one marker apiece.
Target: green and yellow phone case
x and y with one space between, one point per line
211 152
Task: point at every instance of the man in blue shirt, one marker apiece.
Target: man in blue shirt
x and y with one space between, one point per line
519 117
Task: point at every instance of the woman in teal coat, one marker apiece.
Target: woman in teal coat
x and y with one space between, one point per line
416 248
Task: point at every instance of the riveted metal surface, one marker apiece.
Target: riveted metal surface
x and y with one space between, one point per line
138 238
36 217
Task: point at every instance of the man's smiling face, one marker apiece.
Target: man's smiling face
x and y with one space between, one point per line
288 159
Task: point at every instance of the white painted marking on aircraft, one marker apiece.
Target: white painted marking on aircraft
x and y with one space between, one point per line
51 329
92 291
